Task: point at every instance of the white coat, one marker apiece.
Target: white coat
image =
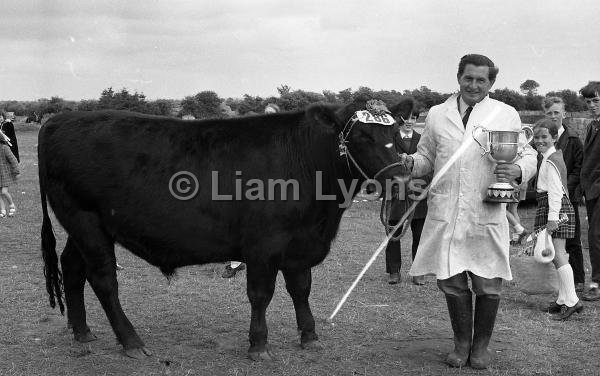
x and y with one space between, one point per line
461 232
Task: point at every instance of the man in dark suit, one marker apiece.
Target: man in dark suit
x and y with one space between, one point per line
590 183
572 150
405 141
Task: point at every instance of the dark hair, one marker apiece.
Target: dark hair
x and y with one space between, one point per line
478 61
591 90
400 120
549 124
550 101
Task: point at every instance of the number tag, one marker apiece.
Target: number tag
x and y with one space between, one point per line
365 116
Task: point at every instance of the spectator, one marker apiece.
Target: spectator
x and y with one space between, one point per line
572 151
271 108
553 202
7 127
590 184
405 141
9 171
232 268
466 237
520 233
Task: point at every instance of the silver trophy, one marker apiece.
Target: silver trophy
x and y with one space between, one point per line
503 147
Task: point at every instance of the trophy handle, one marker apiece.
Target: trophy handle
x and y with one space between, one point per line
476 131
527 130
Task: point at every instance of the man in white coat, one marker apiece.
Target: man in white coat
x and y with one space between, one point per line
463 236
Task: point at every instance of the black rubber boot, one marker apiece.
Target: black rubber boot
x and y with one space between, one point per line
393 258
486 308
461 316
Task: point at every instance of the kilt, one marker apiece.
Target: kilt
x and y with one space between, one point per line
565 230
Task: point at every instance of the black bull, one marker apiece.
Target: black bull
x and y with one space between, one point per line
106 176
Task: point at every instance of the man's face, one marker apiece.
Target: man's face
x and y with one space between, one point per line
474 83
556 112
593 104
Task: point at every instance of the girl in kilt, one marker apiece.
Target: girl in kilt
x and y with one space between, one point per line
552 203
9 171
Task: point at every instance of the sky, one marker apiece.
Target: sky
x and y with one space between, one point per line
74 49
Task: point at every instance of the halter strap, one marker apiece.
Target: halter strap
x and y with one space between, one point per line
384 214
345 151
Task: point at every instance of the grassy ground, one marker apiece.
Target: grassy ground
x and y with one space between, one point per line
197 323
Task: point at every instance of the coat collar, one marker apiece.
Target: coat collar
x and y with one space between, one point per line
453 112
589 139
561 143
551 150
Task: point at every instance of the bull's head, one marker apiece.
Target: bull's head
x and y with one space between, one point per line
367 138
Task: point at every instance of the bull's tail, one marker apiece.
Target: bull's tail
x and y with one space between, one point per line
51 270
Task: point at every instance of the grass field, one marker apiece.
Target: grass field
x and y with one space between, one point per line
197 323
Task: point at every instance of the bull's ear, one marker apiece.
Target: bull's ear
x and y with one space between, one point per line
404 108
324 115
359 103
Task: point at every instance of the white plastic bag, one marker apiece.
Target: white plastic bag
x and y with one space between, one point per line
544 252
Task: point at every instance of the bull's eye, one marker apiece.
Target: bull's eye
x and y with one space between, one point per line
389 145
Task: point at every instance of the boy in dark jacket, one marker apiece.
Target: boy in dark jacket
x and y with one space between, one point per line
590 183
405 141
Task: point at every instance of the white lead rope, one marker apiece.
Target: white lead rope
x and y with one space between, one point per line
423 194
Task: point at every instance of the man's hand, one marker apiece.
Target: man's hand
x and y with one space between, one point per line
551 226
507 172
407 161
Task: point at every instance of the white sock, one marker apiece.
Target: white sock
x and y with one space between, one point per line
565 275
235 264
518 228
560 300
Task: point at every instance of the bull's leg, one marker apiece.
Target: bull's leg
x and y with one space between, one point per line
73 269
260 286
298 283
98 253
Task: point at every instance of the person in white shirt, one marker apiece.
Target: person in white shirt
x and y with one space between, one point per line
572 148
552 201
520 233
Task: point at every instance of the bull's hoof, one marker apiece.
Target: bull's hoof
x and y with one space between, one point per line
85 337
264 355
311 345
138 353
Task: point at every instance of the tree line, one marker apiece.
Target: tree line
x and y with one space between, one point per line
208 104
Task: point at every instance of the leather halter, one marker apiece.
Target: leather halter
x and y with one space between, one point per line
386 202
345 151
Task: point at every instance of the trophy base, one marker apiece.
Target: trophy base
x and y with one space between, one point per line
501 192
